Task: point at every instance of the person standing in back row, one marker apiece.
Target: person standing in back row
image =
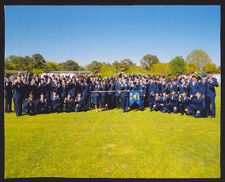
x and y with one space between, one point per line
212 83
18 95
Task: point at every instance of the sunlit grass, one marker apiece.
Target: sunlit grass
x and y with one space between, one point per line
112 144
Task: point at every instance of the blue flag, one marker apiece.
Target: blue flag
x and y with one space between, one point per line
134 97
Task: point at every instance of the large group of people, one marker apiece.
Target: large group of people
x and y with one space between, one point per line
190 94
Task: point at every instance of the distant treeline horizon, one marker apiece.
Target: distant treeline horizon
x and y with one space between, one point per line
197 61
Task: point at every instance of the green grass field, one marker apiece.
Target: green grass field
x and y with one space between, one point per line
112 144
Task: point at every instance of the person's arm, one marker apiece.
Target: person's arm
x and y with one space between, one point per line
215 82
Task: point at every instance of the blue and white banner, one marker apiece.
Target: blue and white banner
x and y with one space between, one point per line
134 97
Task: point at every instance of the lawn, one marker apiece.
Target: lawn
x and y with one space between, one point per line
112 144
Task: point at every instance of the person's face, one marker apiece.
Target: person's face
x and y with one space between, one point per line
197 94
193 79
79 95
42 96
18 78
69 96
204 78
209 75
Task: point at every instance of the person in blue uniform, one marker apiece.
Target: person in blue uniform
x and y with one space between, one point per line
59 89
197 107
34 89
79 103
64 92
182 86
41 87
151 93
212 83
203 89
68 104
118 86
97 96
104 95
164 102
18 95
85 92
49 88
125 95
193 86
56 105
142 89
73 87
41 105
111 95
157 86
173 102
29 105
92 94
200 106
157 102
8 95
183 102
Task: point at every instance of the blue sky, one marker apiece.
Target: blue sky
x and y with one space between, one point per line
109 33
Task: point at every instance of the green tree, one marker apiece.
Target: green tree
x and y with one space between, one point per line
81 68
8 65
160 69
123 65
51 66
177 65
28 63
128 62
37 71
15 62
135 69
198 58
70 65
116 65
148 60
190 68
38 62
210 67
94 66
107 70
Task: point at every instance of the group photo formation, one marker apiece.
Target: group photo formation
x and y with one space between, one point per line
192 94
113 91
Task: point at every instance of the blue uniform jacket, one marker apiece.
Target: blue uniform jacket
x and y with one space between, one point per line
151 88
8 89
211 87
18 91
142 89
118 86
85 89
124 86
194 88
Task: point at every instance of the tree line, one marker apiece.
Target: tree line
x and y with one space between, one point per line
197 61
